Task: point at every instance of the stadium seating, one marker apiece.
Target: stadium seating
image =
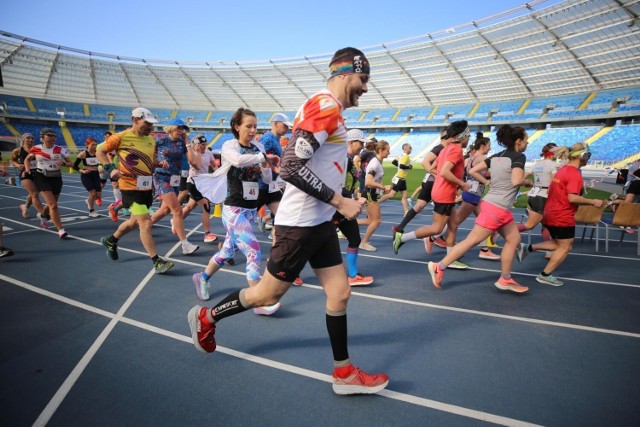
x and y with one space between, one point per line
415 125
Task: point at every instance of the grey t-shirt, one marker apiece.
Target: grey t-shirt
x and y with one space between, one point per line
501 192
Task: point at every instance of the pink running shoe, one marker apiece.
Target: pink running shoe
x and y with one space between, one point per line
436 273
510 285
428 244
298 281
202 330
352 380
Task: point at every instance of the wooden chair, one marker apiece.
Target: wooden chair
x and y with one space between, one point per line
627 215
590 217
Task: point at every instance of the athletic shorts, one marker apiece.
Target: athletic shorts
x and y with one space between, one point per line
472 199
162 185
537 203
140 198
400 186
266 198
443 208
561 233
425 191
296 245
183 183
371 194
493 217
193 192
91 181
43 183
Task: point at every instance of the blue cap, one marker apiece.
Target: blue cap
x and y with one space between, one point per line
179 123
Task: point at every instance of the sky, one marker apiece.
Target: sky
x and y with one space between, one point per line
246 30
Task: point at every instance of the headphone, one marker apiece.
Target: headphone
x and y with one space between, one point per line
583 154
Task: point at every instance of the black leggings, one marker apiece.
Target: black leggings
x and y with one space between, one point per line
351 231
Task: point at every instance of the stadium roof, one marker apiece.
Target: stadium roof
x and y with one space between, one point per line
529 51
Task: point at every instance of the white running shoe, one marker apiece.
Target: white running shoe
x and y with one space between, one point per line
366 246
94 214
188 248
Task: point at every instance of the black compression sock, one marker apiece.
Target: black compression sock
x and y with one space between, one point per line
233 304
337 328
407 218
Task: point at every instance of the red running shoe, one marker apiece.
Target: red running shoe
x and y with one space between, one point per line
360 280
298 281
98 201
352 380
436 273
202 330
440 242
113 214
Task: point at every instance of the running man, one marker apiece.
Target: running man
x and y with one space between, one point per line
313 166
136 152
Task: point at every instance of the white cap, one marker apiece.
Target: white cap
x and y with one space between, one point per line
143 113
355 135
282 118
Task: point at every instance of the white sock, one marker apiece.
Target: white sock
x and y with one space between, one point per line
409 236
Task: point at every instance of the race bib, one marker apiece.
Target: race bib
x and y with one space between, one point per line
91 161
273 187
184 173
474 187
144 183
174 181
534 191
50 165
395 180
250 190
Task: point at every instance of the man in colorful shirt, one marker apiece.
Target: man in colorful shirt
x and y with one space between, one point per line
136 153
313 165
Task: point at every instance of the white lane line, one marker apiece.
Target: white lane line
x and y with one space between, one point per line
69 382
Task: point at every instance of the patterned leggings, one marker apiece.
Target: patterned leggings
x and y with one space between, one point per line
240 237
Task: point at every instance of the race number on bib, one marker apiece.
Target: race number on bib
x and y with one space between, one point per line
174 181
395 180
144 183
474 187
250 190
273 187
534 191
91 161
